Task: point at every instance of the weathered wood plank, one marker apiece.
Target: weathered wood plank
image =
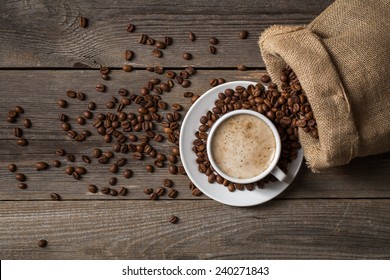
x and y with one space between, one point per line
298 229
37 91
47 34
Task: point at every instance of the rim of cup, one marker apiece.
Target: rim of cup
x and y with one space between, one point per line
278 146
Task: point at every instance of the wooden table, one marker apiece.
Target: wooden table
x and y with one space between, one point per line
343 213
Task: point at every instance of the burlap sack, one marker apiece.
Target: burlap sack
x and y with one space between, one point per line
342 59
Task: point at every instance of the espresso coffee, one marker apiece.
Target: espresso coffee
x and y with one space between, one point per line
243 146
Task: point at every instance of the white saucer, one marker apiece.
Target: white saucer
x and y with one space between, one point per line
216 191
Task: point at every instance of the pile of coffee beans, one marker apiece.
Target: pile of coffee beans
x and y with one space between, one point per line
287 108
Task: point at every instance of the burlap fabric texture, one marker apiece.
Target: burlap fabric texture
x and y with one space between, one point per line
342 59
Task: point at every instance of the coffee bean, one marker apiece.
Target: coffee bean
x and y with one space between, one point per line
284 78
55 196
244 34
71 94
196 192
138 155
157 53
188 94
100 88
148 191
122 191
165 87
97 153
92 189
301 123
128 173
69 170
168 40
127 68
173 169
60 152
172 193
159 163
56 163
150 168
70 157
71 134
187 56
213 40
80 120
22 142
12 167
130 28
113 192
81 170
41 165
191 36
241 67
113 181
62 103
86 159
129 55
265 78
181 170
159 70
27 123
160 45
176 107
63 117
121 162
185 83
104 70
142 39
153 196
173 219
76 175
172 159
18 132
83 22
114 168
19 109
22 186
211 178
66 126
80 95
42 243
160 191
212 50
167 183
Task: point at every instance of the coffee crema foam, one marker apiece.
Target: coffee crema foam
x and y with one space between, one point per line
243 146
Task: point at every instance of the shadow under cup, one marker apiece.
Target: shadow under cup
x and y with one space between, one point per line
244 146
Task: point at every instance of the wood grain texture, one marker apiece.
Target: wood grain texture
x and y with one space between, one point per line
47 34
363 178
340 214
280 229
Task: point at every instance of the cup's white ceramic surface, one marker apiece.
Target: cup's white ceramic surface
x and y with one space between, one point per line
271 168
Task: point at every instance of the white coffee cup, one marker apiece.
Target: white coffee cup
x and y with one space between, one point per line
270 168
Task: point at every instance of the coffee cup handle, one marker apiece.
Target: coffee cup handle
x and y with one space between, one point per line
279 174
